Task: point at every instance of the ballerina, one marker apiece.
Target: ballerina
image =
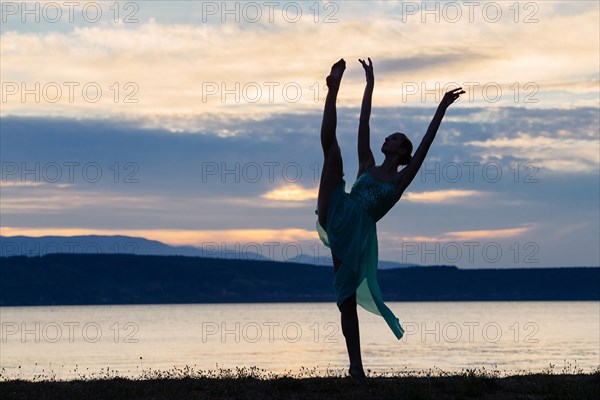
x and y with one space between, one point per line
347 221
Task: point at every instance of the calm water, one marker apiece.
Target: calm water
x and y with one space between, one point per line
509 336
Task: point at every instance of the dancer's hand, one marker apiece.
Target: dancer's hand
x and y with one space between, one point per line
368 70
450 97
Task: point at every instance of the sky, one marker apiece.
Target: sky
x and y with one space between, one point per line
197 123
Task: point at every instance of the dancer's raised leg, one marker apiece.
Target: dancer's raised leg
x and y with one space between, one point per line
332 172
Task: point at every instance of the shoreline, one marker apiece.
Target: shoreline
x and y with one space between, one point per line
250 383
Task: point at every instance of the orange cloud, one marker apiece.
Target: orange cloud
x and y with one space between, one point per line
291 192
442 196
178 237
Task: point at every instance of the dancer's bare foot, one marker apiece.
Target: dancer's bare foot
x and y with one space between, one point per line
359 374
335 77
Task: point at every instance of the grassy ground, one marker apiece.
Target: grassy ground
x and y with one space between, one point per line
252 383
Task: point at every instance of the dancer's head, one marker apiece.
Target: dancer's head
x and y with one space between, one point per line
398 144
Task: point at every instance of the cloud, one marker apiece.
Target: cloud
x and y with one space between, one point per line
291 192
261 203
7 184
567 155
443 196
178 237
485 234
165 65
421 62
67 202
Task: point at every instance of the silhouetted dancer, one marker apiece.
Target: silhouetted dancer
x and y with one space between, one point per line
347 221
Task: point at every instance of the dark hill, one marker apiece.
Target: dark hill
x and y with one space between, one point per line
69 279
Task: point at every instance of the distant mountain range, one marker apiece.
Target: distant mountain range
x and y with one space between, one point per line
95 244
57 270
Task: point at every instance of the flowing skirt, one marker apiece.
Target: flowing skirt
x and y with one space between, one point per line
351 234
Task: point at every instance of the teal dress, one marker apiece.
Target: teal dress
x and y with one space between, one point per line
351 235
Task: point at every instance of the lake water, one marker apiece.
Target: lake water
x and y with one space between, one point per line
66 341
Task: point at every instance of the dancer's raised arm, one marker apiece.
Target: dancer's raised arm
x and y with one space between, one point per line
410 171
365 155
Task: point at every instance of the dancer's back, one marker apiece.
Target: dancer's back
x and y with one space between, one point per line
376 197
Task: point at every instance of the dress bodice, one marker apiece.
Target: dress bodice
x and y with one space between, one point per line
376 197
